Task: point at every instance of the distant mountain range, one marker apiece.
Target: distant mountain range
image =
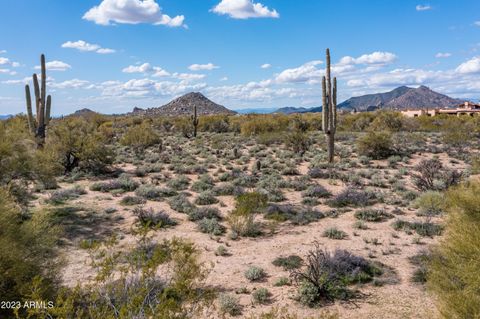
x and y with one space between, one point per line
184 106
4 117
400 98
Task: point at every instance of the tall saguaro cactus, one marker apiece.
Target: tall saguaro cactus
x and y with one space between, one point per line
329 109
43 105
194 121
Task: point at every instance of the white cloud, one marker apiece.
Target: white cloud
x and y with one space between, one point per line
372 58
146 68
421 7
225 78
203 67
304 73
244 9
6 61
266 66
441 55
131 12
470 66
3 51
73 84
188 76
86 47
56 66
477 23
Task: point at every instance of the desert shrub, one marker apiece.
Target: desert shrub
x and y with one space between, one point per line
255 273
372 215
288 263
427 229
229 305
204 212
242 218
181 204
317 191
204 183
124 182
61 196
387 121
227 189
420 261
352 197
298 141
211 226
376 145
334 233
431 175
282 281
154 193
26 255
206 198
297 215
152 219
139 137
78 143
454 275
221 251
134 290
430 203
132 200
327 275
261 296
179 183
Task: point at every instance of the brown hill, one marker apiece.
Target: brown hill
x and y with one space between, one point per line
184 106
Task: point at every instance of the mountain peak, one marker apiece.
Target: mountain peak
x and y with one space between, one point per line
184 105
402 97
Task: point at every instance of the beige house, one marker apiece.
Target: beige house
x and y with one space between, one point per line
468 108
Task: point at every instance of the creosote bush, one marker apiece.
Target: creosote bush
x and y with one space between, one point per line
242 219
454 275
376 145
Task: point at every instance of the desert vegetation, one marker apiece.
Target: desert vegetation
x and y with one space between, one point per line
221 216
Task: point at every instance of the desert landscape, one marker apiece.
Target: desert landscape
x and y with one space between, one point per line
357 203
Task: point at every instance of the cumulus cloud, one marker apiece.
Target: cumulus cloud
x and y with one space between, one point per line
266 66
188 76
470 66
73 84
244 9
441 55
131 12
146 68
305 73
372 58
203 67
86 47
56 66
7 62
421 7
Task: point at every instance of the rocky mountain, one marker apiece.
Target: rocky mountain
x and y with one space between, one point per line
4 117
184 106
83 112
401 98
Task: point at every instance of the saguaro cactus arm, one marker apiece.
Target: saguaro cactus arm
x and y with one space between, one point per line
31 121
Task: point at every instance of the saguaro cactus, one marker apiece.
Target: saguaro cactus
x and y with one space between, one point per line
43 105
329 109
194 121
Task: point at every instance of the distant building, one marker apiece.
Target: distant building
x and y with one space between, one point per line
468 108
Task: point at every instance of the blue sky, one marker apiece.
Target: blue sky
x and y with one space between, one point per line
113 55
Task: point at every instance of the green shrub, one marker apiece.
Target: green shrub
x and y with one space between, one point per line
132 200
427 229
288 263
282 281
334 233
150 218
242 218
376 145
26 255
139 137
454 274
261 296
255 273
206 198
430 203
372 215
229 305
211 226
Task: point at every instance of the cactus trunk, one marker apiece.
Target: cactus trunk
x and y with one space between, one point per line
195 121
43 105
329 109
